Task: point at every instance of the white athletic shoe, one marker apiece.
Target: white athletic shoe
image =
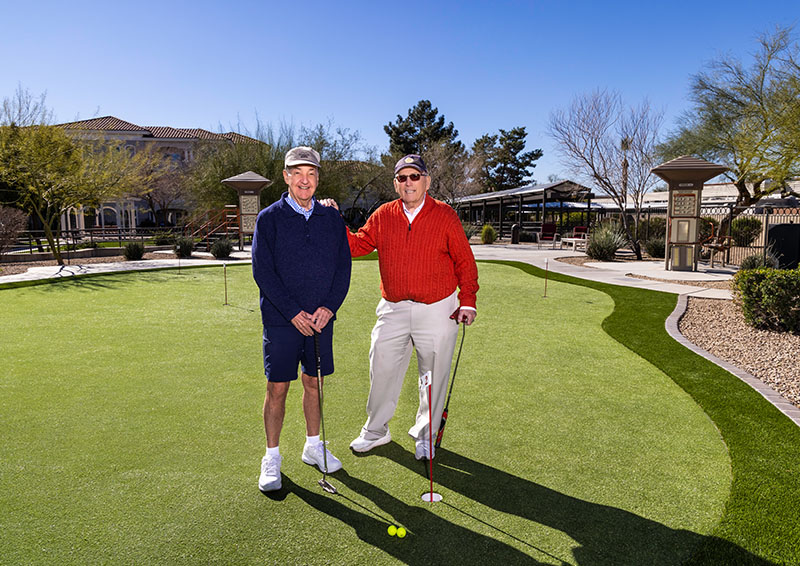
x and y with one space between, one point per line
270 478
422 450
361 444
312 454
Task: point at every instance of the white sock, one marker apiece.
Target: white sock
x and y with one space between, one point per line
273 452
312 440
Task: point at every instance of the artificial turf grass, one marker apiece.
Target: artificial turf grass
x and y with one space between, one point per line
760 524
171 478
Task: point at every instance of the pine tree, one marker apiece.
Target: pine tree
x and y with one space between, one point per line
420 131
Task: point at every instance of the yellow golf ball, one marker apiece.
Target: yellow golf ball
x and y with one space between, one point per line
401 532
392 530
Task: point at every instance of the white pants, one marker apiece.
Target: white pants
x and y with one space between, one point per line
401 326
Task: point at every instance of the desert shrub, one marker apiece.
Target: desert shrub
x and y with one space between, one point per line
164 238
745 229
760 260
183 247
488 234
769 298
133 251
604 241
222 248
655 247
469 229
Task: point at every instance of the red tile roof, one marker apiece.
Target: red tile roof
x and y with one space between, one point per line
113 124
167 132
104 123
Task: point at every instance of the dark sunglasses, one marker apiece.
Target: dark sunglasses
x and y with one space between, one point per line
402 178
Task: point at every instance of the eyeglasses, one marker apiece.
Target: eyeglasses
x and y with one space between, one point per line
402 178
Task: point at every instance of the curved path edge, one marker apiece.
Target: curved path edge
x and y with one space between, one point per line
765 390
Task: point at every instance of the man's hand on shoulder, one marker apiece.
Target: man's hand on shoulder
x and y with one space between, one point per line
329 202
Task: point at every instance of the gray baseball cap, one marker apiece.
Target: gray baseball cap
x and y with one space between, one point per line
414 161
301 155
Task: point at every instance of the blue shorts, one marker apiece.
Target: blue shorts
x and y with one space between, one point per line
284 347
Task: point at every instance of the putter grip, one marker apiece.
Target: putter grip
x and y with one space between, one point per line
440 434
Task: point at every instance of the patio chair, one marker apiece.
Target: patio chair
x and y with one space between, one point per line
549 233
578 237
716 243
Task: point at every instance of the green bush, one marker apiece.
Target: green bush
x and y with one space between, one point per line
469 229
769 298
133 251
655 247
745 229
222 248
183 247
757 261
164 238
488 234
604 241
652 229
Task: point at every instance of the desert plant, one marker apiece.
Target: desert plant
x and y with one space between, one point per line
222 248
757 261
183 247
604 241
469 229
745 229
133 251
655 247
488 234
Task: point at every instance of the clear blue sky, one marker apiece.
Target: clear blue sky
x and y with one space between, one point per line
485 65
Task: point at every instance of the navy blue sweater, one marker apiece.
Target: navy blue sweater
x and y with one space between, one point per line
299 264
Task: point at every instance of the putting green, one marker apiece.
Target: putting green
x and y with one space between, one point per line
130 409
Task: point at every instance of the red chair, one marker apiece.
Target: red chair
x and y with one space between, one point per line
549 233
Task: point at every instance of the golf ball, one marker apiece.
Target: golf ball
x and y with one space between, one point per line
392 530
401 532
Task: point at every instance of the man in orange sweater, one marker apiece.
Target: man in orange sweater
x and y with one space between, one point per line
423 256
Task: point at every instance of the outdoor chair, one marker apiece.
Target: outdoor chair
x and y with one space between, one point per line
578 237
715 244
549 233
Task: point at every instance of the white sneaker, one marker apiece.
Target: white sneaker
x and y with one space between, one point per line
361 444
422 450
312 454
270 478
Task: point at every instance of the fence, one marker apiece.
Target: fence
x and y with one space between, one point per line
34 241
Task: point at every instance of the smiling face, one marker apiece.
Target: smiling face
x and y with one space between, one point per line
411 192
302 181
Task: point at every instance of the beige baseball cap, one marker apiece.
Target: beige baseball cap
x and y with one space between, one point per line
301 155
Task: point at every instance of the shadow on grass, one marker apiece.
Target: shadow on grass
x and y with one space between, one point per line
430 539
604 534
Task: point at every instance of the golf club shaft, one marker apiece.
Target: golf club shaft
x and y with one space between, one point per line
442 424
320 397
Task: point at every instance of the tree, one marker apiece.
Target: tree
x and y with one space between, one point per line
49 173
746 118
610 146
453 172
164 182
420 131
505 166
12 222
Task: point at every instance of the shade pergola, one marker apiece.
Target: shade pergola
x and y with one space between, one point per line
541 198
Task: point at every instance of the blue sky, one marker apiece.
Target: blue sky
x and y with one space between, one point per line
485 65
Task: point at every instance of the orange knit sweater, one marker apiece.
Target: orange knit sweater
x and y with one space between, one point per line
423 261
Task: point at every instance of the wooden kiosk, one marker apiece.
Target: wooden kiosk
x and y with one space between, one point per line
685 176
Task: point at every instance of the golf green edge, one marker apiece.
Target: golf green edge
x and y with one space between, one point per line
764 444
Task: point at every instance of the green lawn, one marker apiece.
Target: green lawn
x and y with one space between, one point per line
130 410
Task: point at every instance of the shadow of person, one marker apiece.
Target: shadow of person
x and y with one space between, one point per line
430 539
605 534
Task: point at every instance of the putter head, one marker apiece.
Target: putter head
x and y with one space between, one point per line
325 485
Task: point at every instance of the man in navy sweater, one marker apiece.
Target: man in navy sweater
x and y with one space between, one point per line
301 263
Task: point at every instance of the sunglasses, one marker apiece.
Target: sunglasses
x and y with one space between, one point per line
402 178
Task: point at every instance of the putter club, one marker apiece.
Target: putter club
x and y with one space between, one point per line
324 483
440 434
